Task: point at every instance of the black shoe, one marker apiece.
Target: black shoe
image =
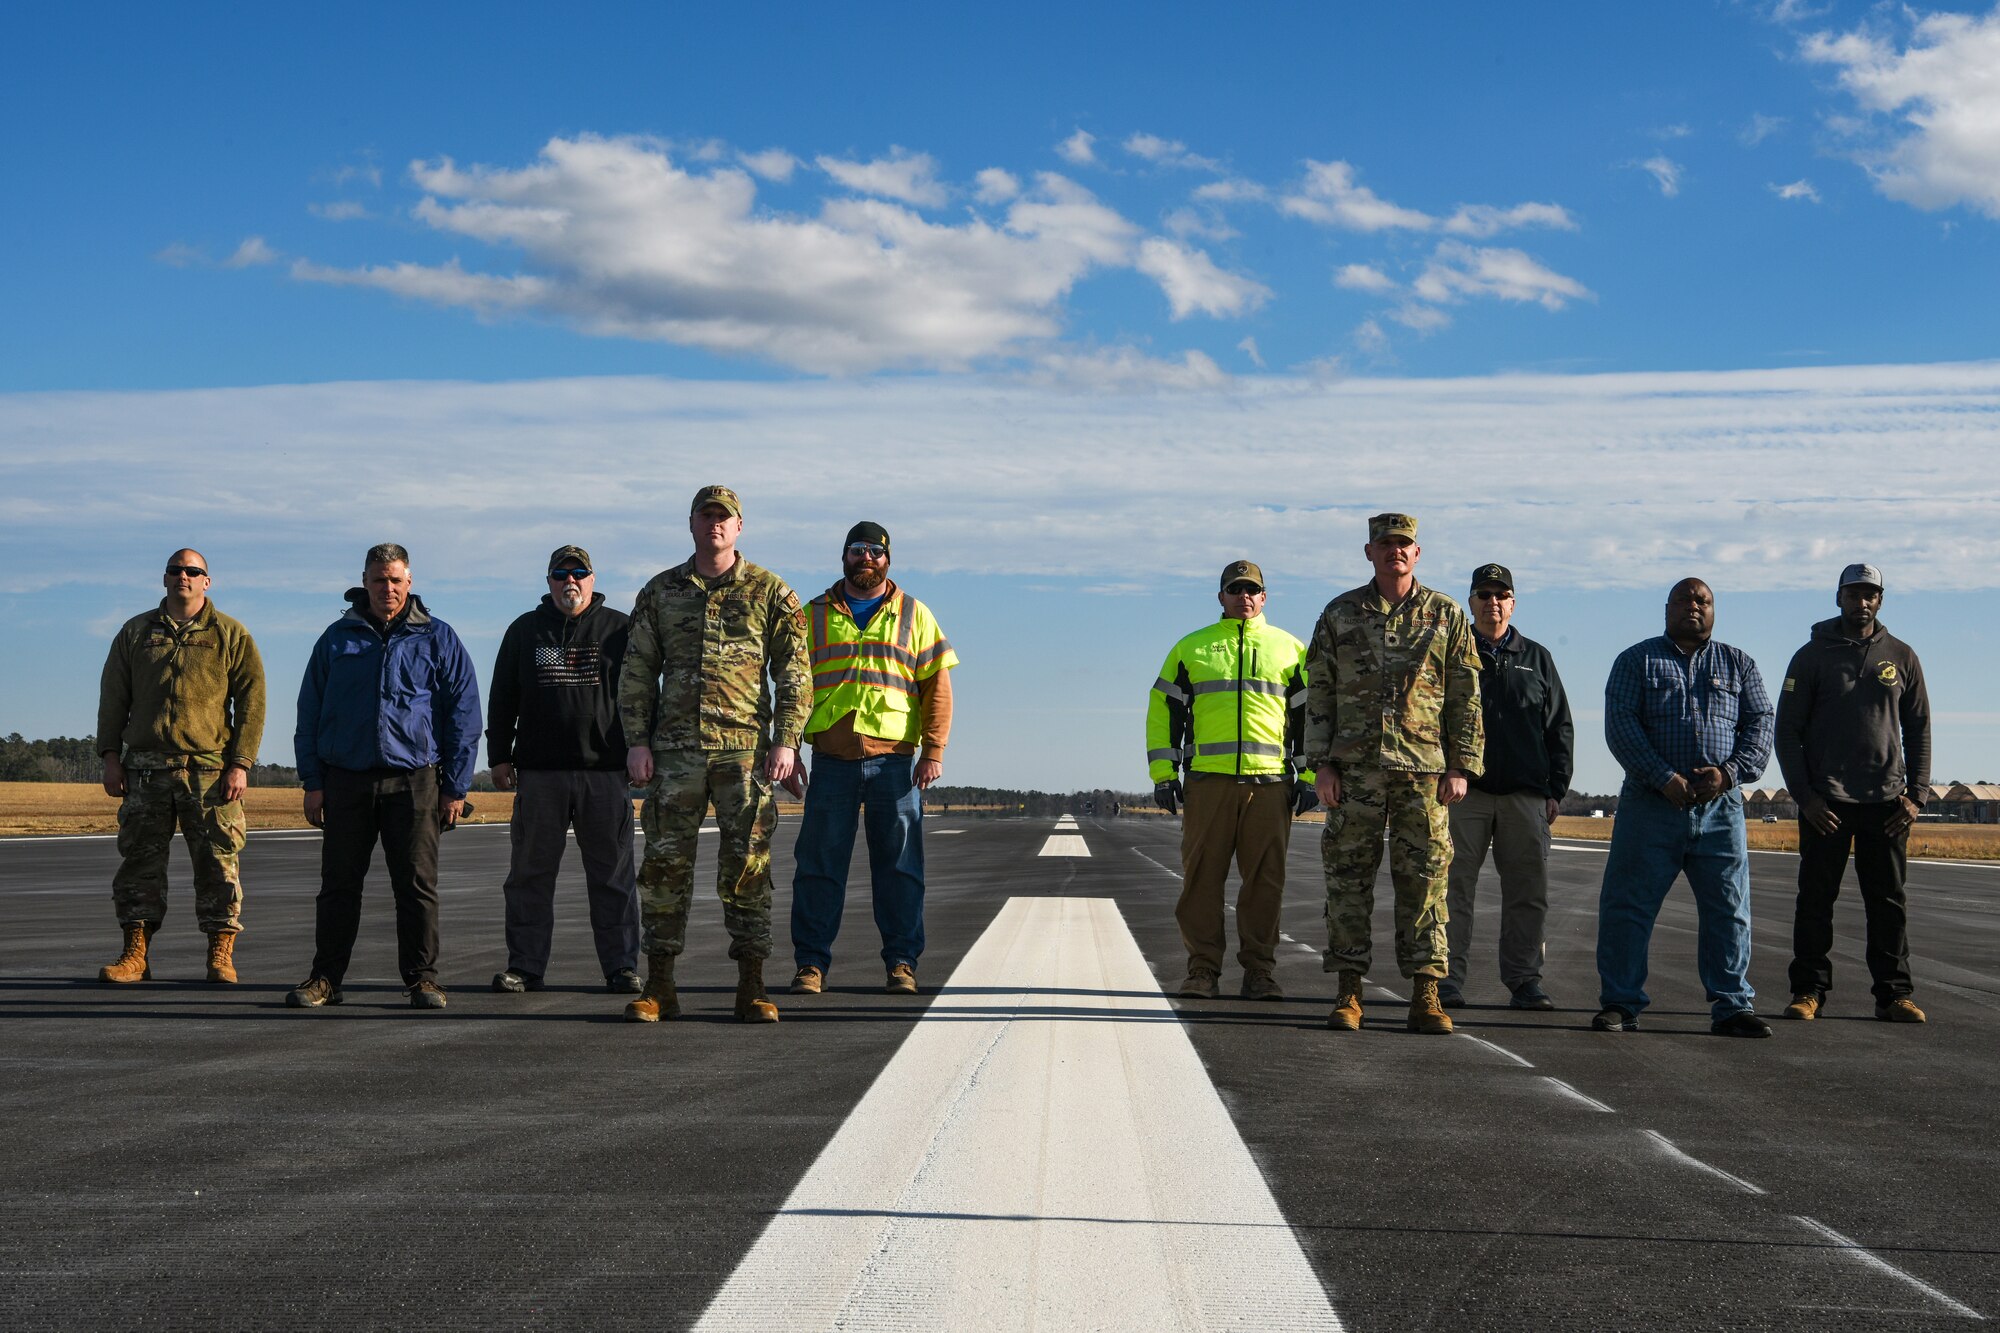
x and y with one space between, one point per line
624 981
426 995
1743 1023
1613 1019
1530 995
513 983
312 993
1449 994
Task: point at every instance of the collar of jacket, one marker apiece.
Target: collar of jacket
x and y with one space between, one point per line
1249 622
200 617
415 617
685 572
548 607
1829 631
1369 596
1510 642
837 596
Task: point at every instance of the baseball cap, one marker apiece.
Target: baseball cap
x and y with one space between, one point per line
1499 574
717 495
1867 574
1391 525
1239 571
570 557
867 532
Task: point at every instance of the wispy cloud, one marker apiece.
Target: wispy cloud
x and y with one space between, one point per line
1458 271
1666 173
1363 278
1759 128
1931 136
1077 150
1168 153
251 253
995 186
339 210
1789 462
1798 189
773 164
1331 194
905 176
1193 283
1482 220
1249 348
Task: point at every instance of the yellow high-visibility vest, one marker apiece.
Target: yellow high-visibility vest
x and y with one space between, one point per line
873 672
1231 698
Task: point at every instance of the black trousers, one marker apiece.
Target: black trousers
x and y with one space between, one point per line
398 807
598 805
1880 863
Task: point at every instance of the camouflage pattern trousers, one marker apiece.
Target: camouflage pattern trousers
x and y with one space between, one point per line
158 801
746 815
1406 804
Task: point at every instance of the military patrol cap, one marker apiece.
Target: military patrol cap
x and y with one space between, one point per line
569 557
1391 525
1241 571
717 495
1499 574
1867 574
868 532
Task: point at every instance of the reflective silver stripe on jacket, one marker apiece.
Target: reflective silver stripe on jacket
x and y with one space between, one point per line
1238 747
1248 686
1171 690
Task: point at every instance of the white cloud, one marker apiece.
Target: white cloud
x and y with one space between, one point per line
1940 97
1458 270
1249 348
1233 190
1363 278
1370 337
1126 370
251 253
1798 189
1168 153
365 173
994 186
1760 128
1076 150
1425 319
339 210
179 254
1666 173
909 177
773 164
1205 224
1667 132
1481 220
1193 283
617 239
1330 194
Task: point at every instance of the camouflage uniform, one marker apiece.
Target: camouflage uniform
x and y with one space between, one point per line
694 684
179 703
1392 701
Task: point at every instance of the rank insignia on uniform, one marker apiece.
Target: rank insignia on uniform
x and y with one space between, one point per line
1790 685
1886 673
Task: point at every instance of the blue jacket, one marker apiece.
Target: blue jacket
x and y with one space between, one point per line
405 699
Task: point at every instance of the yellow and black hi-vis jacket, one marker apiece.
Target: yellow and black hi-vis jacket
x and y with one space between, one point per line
1231 698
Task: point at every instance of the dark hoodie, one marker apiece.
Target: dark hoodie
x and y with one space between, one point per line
1854 720
554 698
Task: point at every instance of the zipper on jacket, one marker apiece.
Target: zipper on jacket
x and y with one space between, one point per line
1239 697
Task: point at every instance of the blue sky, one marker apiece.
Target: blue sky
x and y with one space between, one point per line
1081 302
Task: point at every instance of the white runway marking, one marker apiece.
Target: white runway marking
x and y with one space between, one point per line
1064 844
1667 1146
1491 1046
944 832
1045 1151
1882 1265
1571 1093
1150 861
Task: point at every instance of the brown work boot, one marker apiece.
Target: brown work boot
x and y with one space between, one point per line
1804 1006
1427 1015
1346 1015
658 1000
902 980
808 980
752 1004
1200 983
132 964
1902 1009
222 957
1261 986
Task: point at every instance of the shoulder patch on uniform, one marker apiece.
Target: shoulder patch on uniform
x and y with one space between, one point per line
1790 685
791 602
1887 673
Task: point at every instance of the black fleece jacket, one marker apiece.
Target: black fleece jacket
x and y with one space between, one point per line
1854 719
554 698
1530 741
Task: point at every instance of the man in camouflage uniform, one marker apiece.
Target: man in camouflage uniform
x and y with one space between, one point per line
179 715
1393 733
704 726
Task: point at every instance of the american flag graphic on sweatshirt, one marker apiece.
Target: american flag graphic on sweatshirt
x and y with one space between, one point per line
576 665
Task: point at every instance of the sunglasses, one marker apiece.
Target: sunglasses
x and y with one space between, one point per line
192 571
564 574
873 550
1243 590
1493 595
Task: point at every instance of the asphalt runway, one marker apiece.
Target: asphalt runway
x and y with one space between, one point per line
179 1155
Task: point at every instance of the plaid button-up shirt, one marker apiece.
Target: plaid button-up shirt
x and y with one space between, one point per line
1668 712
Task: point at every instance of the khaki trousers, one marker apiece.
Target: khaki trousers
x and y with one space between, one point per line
1516 827
1251 822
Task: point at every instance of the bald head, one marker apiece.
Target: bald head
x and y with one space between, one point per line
186 582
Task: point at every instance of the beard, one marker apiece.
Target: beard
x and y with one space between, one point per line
865 576
570 598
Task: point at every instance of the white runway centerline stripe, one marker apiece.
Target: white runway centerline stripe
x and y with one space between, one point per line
1666 1145
1570 1092
1881 1265
1064 844
1045 1151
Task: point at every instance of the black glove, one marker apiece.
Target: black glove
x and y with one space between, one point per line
1304 796
1167 795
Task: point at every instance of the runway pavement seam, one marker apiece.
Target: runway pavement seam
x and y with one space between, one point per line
1881 1265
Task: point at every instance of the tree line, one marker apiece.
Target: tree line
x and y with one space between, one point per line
75 759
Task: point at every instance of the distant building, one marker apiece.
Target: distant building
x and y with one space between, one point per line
1967 802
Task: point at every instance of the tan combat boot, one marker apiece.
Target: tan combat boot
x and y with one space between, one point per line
1805 1005
1426 1013
752 1004
657 1000
132 964
1346 1015
222 957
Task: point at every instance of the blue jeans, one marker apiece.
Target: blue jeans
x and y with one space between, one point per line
1652 843
883 792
